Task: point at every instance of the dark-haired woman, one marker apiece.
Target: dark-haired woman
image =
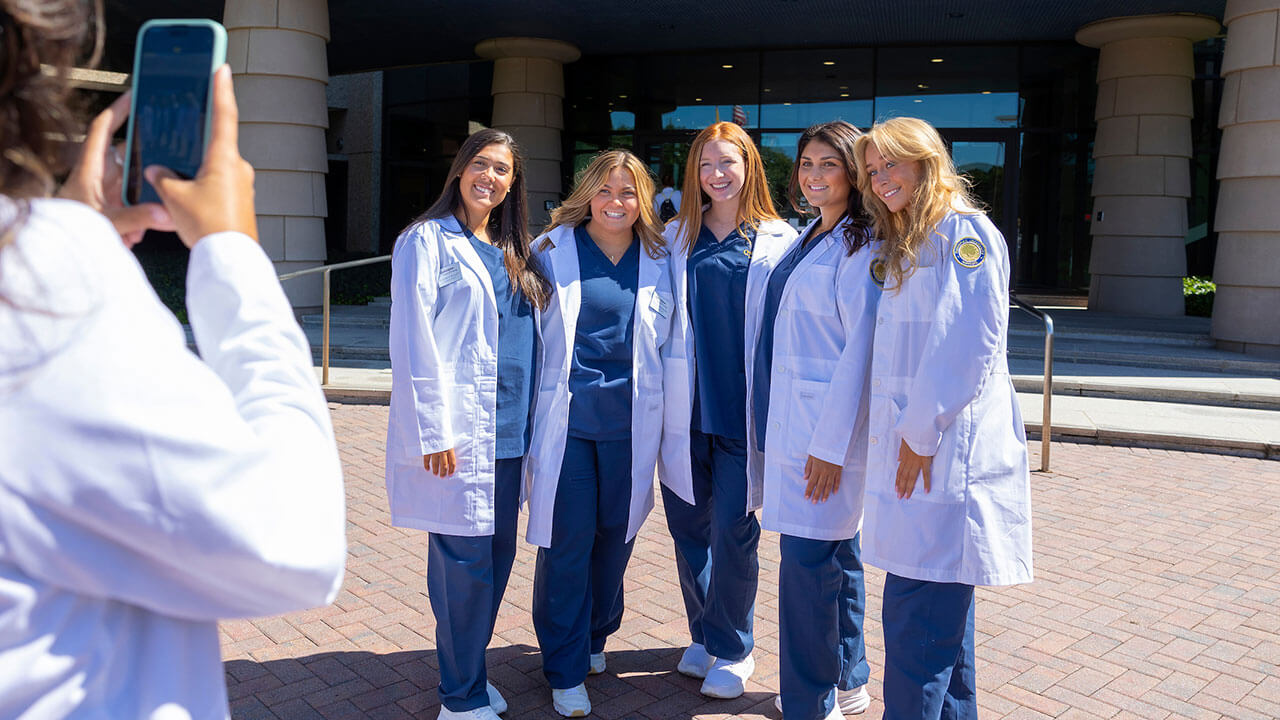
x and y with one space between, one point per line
809 405
463 289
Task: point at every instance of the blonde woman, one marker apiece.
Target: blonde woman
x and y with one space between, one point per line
948 490
725 239
598 413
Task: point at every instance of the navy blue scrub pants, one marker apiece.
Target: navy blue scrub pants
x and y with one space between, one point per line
928 651
822 601
716 542
577 585
466 578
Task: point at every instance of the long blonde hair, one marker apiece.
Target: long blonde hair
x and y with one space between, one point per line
576 209
754 203
905 234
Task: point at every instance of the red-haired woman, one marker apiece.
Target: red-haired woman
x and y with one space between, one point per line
725 239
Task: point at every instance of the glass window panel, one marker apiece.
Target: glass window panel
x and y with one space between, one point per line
803 87
778 151
801 115
949 86
974 110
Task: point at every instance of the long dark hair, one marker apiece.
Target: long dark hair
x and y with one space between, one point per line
841 136
35 115
509 221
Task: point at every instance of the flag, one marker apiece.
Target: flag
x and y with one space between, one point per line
740 115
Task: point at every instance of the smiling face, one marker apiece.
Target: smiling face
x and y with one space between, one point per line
721 171
893 182
616 205
823 177
485 180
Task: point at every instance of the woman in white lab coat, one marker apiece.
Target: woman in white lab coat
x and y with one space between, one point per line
598 413
464 286
723 243
145 492
948 487
809 412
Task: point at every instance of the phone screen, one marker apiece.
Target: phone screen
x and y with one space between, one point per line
171 87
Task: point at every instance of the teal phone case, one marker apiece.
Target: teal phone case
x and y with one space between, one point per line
219 57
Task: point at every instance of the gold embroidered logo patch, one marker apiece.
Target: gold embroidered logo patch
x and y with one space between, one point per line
878 271
969 252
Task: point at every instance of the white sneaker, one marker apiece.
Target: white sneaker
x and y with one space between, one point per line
496 701
572 702
481 713
727 678
835 713
597 664
853 702
696 661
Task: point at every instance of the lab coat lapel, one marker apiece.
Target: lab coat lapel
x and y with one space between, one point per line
565 270
462 246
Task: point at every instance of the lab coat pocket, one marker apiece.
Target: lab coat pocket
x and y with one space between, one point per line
947 478
464 411
815 291
807 397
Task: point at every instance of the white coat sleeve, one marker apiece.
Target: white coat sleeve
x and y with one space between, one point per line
415 354
962 344
194 490
856 299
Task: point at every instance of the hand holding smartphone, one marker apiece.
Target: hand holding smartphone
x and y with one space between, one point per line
170 116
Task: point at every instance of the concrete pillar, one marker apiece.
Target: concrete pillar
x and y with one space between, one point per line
528 102
1246 308
276 49
355 135
1141 178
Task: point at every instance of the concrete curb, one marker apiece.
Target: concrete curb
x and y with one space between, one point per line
1256 401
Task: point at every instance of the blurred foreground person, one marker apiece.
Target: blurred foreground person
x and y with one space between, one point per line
144 493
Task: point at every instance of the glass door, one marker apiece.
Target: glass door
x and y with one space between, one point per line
989 158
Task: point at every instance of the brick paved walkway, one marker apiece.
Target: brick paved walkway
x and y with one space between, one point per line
1157 596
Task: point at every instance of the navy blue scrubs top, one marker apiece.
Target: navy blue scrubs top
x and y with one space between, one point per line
717 272
517 348
600 375
761 373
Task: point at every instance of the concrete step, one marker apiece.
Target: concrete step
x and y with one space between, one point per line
352 316
1139 353
1238 390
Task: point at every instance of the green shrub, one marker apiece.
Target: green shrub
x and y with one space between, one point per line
1197 293
358 285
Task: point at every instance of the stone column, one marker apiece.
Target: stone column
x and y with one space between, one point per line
276 49
1141 178
1246 308
528 102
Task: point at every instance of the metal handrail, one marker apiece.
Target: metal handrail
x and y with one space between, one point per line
327 269
1046 424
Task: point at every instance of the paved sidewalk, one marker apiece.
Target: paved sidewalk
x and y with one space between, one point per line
1157 597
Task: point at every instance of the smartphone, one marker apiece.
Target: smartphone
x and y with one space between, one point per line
169 121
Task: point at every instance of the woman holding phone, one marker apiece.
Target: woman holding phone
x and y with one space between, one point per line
724 241
145 493
464 286
809 412
948 487
599 413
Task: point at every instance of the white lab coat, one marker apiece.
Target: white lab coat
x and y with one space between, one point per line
444 381
940 380
558 326
817 390
144 494
773 239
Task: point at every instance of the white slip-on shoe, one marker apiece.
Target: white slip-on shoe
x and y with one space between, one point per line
835 713
481 713
496 701
855 701
696 661
597 664
571 702
728 678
